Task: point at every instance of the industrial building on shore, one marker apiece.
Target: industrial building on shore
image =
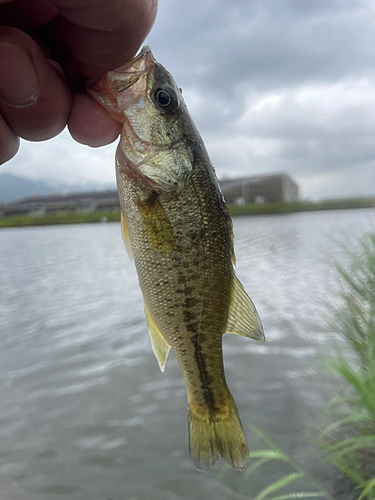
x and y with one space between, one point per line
274 188
258 189
94 201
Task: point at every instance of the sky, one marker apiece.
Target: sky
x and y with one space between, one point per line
273 86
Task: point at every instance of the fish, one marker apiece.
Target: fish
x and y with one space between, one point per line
178 230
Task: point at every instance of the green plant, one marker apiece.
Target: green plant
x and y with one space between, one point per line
349 442
260 458
59 218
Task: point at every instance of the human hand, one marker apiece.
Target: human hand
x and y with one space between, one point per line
48 50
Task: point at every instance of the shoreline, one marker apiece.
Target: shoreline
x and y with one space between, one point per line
235 210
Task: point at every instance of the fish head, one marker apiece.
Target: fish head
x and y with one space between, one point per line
158 136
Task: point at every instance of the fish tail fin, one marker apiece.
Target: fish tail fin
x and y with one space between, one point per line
220 433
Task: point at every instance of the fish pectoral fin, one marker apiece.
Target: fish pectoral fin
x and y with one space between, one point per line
243 318
158 342
125 236
157 226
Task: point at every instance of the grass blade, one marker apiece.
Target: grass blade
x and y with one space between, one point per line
269 454
302 494
255 465
277 485
223 471
370 486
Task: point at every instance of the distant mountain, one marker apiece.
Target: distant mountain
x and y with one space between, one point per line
13 187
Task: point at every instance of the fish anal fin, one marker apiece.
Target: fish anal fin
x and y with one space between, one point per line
159 344
125 236
243 318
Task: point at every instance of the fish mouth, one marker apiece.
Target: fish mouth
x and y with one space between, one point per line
141 62
127 75
108 90
124 77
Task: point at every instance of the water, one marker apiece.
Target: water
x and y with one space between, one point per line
85 413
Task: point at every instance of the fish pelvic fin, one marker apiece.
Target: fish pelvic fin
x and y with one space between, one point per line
243 318
158 342
213 434
125 236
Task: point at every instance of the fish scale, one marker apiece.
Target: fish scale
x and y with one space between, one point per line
177 227
188 273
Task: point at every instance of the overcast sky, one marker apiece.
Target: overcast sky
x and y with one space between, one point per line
282 85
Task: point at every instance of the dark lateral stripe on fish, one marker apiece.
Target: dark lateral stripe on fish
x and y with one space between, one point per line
204 378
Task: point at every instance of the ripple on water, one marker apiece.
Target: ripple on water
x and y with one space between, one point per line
72 388
74 349
12 468
100 443
59 490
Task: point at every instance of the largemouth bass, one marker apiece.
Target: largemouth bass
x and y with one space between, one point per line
178 229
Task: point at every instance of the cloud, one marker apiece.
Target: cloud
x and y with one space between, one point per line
267 44
313 132
64 160
283 85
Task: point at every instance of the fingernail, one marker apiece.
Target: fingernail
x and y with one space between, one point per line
18 81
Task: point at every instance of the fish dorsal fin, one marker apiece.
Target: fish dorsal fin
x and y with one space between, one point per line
243 318
125 236
159 345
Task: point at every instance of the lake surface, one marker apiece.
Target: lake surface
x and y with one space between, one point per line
86 414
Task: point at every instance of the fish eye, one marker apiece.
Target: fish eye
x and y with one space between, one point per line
163 98
166 99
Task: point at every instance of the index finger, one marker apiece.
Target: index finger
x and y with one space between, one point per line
101 36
